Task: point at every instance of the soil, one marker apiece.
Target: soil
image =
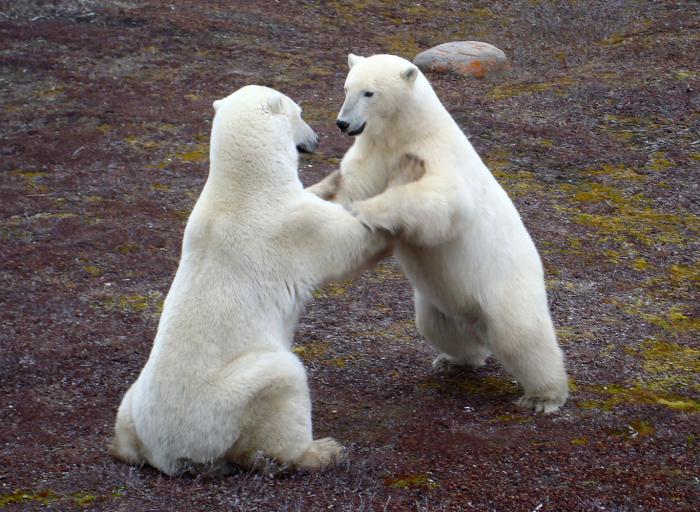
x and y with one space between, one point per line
105 111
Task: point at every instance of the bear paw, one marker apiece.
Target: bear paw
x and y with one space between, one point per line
358 211
448 364
373 215
543 404
322 453
328 187
410 169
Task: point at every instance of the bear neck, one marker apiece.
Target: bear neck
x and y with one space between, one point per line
421 118
252 168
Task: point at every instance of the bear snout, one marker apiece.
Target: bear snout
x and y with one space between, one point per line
308 146
358 130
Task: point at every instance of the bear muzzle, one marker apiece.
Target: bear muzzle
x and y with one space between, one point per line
308 146
358 131
342 125
345 126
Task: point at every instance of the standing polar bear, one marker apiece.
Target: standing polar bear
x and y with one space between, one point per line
221 384
476 274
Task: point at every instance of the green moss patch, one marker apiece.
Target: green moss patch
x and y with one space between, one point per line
661 356
153 301
25 496
200 153
488 386
615 395
674 318
632 218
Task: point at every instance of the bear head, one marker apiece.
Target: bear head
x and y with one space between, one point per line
377 90
262 110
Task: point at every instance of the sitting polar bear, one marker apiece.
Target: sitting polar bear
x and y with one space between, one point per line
221 384
476 274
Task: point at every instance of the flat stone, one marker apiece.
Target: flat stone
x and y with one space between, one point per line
468 58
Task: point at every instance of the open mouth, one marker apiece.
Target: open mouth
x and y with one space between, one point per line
358 131
301 148
308 146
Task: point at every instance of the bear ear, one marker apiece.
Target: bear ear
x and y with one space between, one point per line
409 74
275 104
353 59
216 105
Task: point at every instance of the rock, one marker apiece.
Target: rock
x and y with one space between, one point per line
468 58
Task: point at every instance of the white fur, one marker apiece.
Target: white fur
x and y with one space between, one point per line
221 384
477 276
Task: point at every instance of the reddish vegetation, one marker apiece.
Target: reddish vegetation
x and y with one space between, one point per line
105 112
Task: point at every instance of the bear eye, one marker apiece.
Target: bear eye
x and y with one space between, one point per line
368 94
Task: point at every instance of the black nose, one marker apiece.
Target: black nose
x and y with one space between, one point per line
342 125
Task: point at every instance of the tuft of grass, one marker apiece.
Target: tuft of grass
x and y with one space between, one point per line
128 248
659 162
635 430
403 45
93 270
419 480
32 179
83 499
404 331
510 90
312 351
640 264
333 290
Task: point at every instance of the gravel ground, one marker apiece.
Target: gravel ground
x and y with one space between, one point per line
105 111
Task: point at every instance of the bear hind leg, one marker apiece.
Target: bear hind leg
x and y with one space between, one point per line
460 345
125 444
321 454
531 354
277 424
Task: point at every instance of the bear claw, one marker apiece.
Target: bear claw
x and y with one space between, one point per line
448 364
322 453
544 405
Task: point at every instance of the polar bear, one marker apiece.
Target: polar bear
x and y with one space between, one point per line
221 384
477 277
